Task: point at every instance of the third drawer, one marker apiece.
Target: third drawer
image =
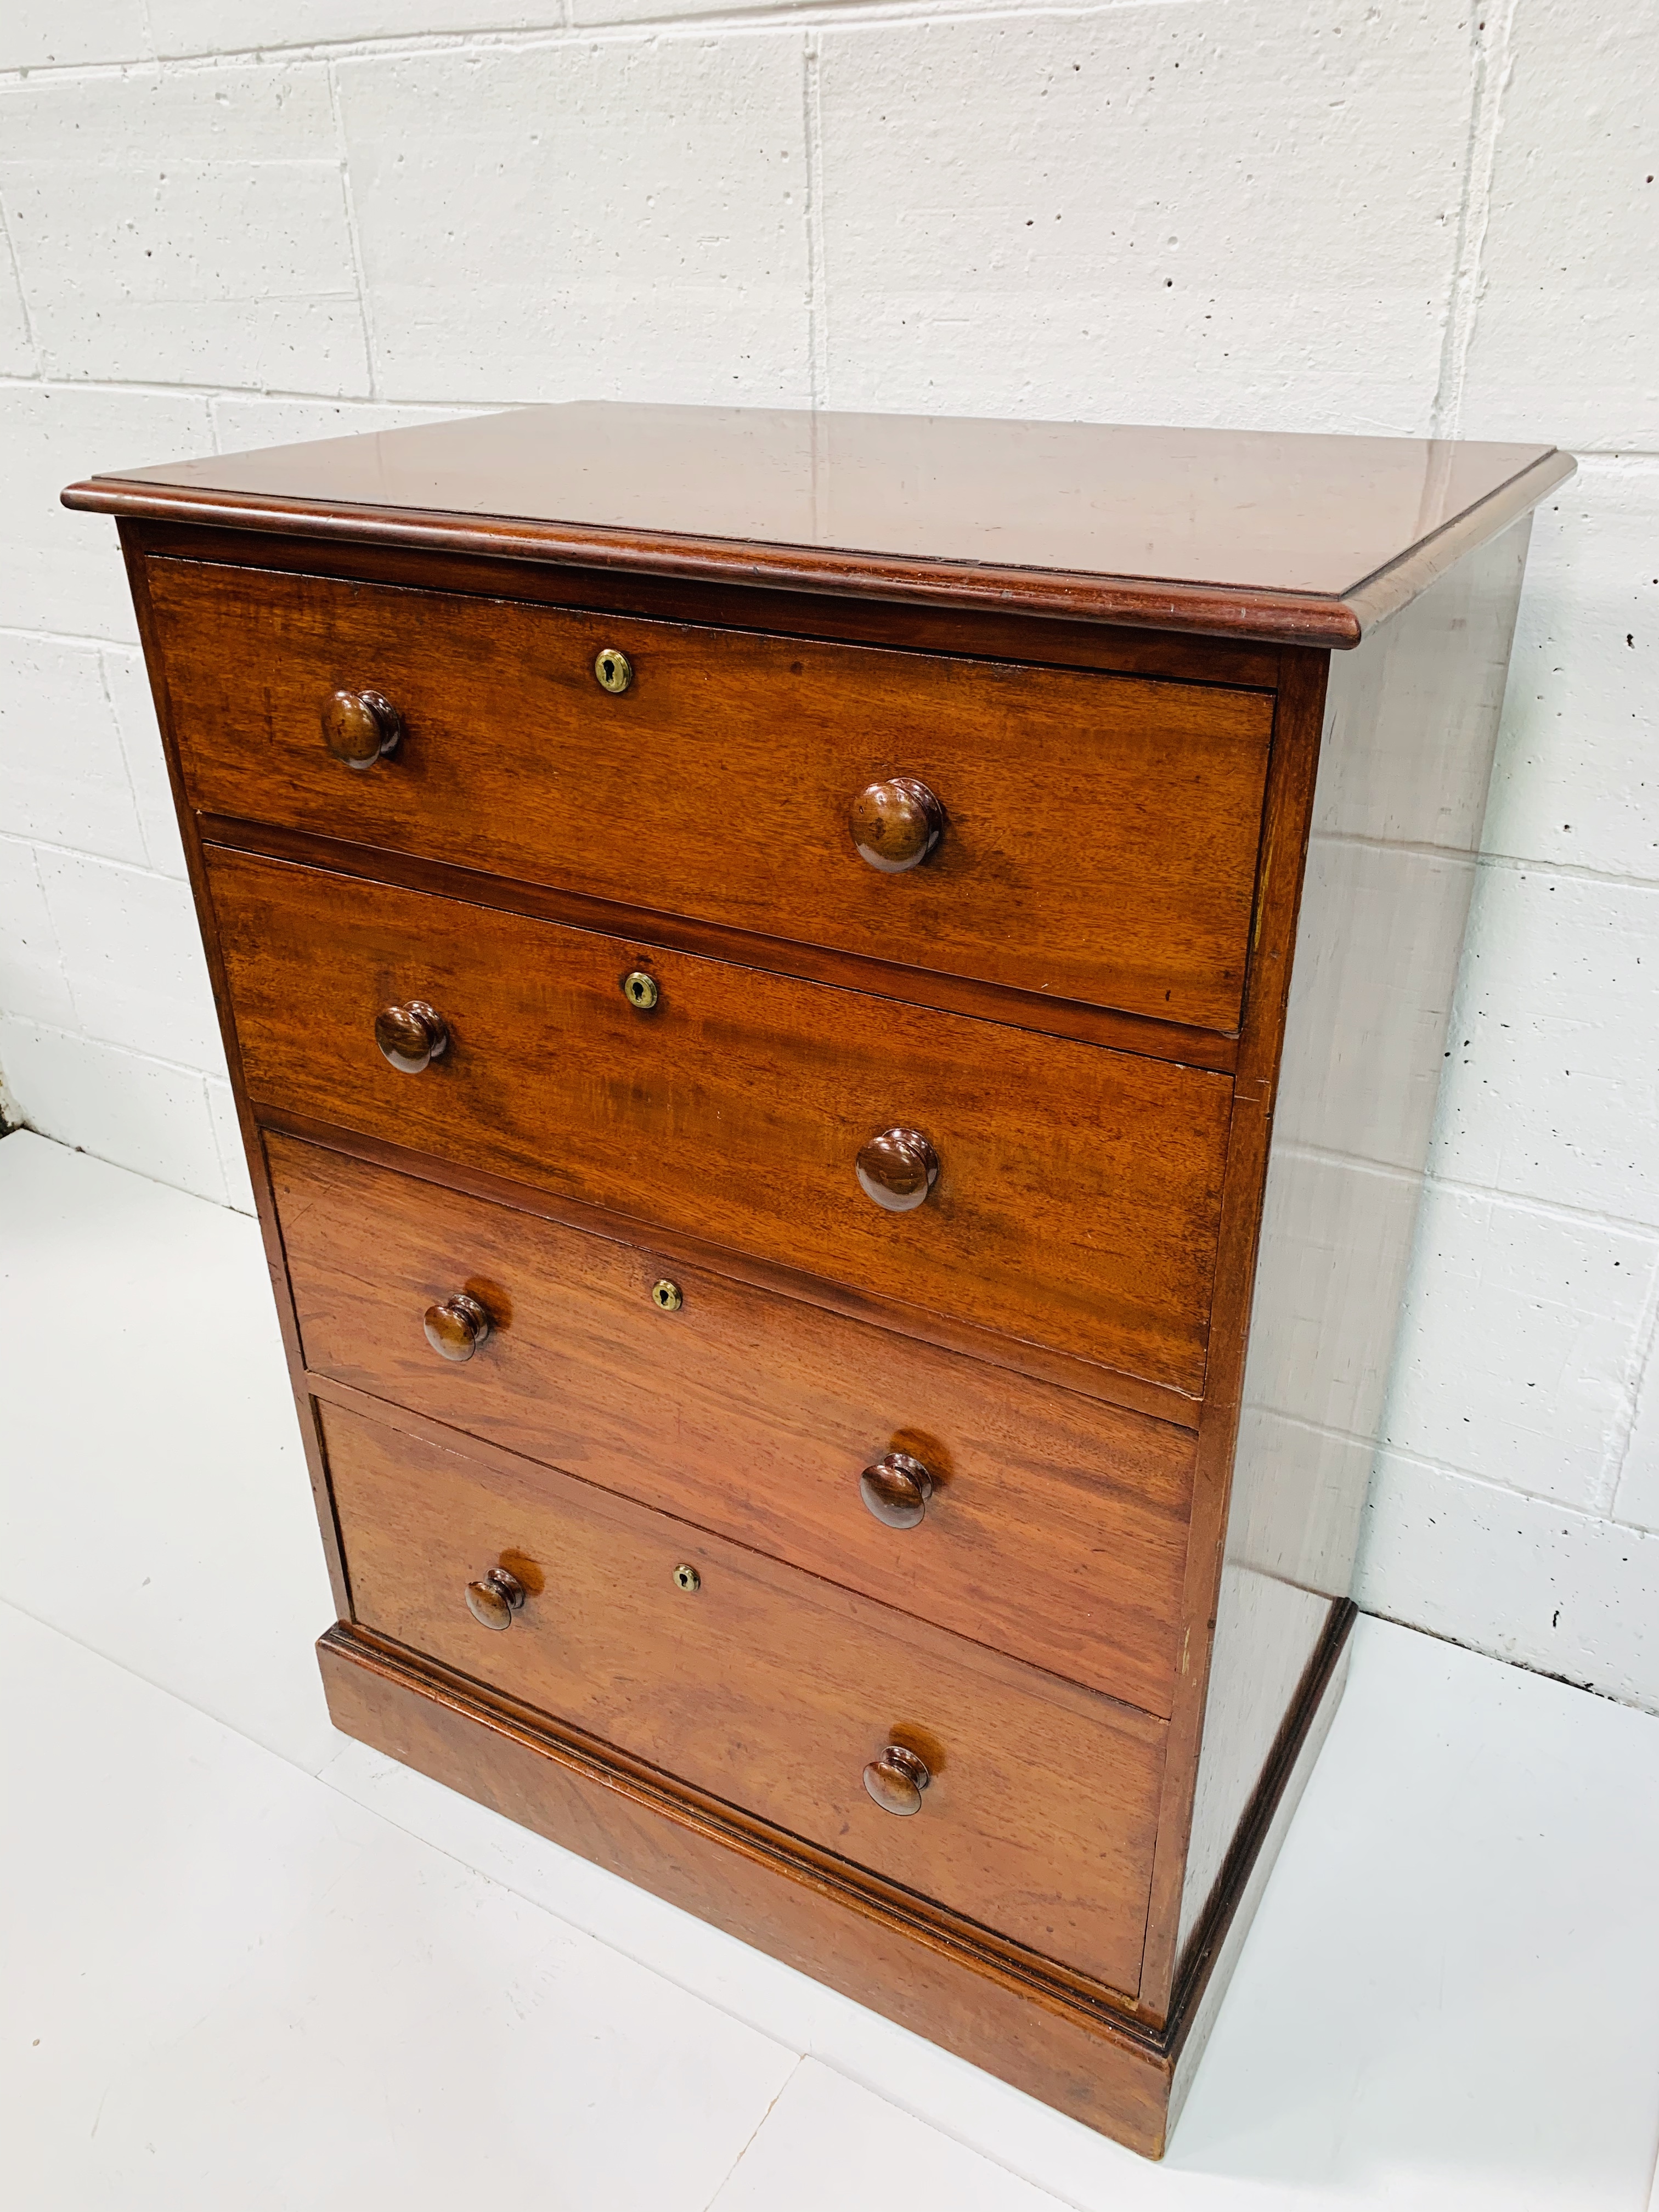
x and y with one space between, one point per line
1057 1530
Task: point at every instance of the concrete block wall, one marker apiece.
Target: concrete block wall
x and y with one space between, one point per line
229 222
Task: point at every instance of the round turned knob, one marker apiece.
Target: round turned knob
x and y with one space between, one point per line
412 1035
896 1780
493 1601
360 726
895 824
896 1489
897 1168
457 1328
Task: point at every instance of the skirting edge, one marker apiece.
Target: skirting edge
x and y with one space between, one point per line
1032 2027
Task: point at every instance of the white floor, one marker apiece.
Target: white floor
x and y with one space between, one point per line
246 1964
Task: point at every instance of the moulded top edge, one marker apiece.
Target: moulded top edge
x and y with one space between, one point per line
1281 537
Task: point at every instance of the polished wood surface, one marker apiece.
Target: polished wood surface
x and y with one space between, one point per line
1102 2066
1089 1025
1056 1528
681 1249
1256 531
1409 724
982 632
1104 830
767 1689
1287 820
1019 2020
270 1229
738 1111
1209 1960
759 1053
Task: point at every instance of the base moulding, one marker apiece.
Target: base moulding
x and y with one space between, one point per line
1102 2066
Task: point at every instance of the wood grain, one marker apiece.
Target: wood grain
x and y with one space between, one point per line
1285 845
1057 1527
1078 1195
1012 2017
1102 836
1039 1818
1240 533
916 1324
818 964
1404 731
247 1128
599 1316
980 633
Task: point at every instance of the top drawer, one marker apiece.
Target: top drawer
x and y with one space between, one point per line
1101 831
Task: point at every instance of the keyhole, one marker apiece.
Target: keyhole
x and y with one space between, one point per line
667 1297
640 990
688 1578
614 670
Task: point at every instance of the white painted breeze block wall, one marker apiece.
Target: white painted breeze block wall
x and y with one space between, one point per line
235 223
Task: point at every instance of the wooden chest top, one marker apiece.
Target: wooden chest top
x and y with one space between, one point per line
1260 534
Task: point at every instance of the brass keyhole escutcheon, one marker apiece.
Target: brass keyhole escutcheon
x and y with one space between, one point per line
614 670
641 991
687 1579
666 1297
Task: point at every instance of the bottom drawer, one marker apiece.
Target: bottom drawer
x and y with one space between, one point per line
768 1688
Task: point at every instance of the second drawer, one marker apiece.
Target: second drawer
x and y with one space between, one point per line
1077 1196
1057 1527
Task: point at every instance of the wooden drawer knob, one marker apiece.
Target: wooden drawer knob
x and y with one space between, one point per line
412 1035
457 1328
360 727
897 1168
895 824
896 1489
493 1600
896 1780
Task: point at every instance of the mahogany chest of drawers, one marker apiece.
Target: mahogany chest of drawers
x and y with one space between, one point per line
836 1021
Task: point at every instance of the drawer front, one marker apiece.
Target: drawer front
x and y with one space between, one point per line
768 1689
1057 1527
1079 1193
1102 831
